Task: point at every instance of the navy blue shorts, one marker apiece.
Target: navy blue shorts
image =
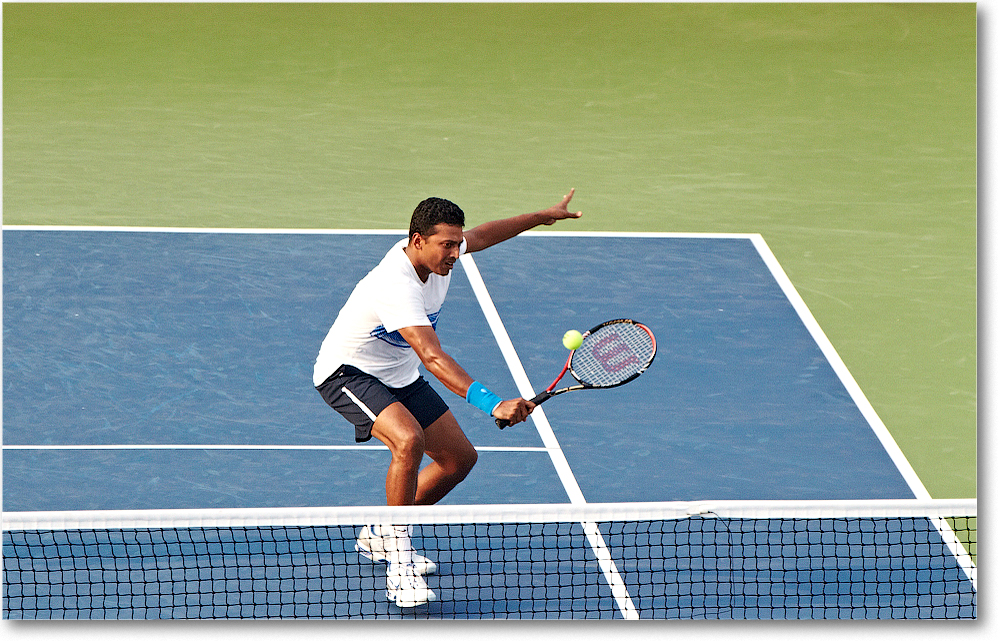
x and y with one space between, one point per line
360 397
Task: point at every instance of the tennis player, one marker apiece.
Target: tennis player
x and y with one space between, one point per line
367 370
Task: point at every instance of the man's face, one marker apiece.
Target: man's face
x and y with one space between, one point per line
439 251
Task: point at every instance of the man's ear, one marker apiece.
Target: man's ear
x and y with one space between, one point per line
416 240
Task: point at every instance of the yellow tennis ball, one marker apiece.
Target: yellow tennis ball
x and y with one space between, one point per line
572 339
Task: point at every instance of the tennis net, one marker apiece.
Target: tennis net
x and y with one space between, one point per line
674 560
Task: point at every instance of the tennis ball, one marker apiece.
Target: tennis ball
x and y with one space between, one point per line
572 339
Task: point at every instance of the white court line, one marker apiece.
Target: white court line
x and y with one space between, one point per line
551 445
360 231
864 405
320 231
521 380
860 400
594 536
233 447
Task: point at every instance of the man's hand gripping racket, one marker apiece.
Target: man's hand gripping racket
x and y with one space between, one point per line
613 353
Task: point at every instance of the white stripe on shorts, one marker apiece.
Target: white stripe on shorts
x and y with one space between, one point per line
360 404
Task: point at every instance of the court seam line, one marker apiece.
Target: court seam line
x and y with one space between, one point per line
619 590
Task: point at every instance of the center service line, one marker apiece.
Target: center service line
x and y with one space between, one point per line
594 536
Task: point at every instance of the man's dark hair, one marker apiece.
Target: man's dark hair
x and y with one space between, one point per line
433 211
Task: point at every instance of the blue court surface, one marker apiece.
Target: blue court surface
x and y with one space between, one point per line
171 369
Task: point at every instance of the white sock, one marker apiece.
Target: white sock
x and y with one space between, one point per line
396 541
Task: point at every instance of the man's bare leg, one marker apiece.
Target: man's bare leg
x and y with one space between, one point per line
452 455
399 430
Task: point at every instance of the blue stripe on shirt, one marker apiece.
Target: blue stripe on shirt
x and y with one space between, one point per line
395 338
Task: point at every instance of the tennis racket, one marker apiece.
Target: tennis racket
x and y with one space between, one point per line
613 353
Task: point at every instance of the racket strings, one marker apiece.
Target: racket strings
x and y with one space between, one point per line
613 354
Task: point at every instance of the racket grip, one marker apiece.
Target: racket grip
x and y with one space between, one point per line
538 399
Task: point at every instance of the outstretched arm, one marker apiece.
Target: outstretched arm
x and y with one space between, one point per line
493 232
441 365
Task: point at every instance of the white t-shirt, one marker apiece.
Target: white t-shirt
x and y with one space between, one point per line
365 335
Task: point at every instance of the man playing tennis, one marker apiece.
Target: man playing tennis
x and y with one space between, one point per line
367 370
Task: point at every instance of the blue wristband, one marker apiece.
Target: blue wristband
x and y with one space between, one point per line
482 398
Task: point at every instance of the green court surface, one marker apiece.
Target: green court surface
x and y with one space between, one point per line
844 134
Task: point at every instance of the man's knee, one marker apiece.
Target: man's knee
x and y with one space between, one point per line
399 431
409 443
460 463
449 447
469 460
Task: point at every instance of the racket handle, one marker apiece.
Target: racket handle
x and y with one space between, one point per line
538 399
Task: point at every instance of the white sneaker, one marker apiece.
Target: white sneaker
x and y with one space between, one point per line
394 547
406 587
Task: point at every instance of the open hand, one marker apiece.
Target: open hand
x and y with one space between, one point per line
559 212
